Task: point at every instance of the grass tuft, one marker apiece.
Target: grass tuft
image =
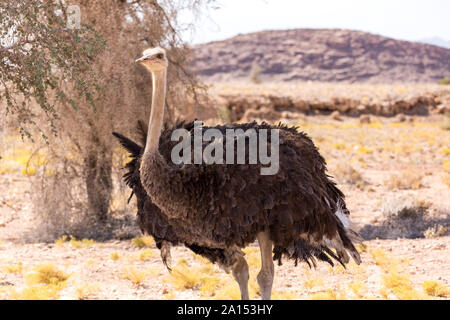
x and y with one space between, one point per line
85 291
47 274
17 268
114 256
435 289
142 242
137 277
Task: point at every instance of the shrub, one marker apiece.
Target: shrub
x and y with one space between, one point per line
17 268
435 231
435 289
42 292
135 276
445 81
402 207
142 242
84 291
405 217
81 244
345 173
114 256
47 274
146 254
401 286
405 180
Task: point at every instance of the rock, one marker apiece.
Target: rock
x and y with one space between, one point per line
442 109
365 118
400 117
336 115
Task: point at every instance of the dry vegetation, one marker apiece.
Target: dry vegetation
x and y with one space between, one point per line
395 175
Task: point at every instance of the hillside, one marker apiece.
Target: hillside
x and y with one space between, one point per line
321 55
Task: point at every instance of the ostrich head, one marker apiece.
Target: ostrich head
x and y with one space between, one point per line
154 59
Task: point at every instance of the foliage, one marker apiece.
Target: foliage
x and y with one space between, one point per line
41 58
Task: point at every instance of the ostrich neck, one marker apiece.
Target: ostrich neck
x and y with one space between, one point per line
157 112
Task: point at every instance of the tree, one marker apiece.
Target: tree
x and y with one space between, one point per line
114 91
35 41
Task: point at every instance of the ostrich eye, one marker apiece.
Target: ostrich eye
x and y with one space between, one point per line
159 56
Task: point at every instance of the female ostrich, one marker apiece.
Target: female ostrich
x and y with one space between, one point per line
298 212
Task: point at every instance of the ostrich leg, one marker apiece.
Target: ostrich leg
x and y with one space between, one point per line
265 276
240 274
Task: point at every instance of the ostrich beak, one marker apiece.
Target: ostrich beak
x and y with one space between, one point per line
140 60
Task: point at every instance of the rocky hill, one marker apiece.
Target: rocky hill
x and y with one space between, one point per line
321 55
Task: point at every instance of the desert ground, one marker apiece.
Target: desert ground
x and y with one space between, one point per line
394 171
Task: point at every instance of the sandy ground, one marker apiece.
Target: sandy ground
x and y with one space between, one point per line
93 271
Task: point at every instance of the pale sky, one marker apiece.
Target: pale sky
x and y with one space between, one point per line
399 19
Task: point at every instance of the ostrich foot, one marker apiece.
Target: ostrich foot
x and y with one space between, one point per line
265 276
240 274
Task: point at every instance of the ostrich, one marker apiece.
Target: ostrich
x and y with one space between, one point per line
298 213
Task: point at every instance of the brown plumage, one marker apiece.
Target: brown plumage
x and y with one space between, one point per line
292 205
298 213
227 205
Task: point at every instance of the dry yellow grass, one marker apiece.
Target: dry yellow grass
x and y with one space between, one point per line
185 277
284 295
135 276
358 288
14 268
310 283
114 256
401 286
405 180
44 283
85 290
81 244
146 254
47 274
41 292
61 241
435 289
142 242
329 294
